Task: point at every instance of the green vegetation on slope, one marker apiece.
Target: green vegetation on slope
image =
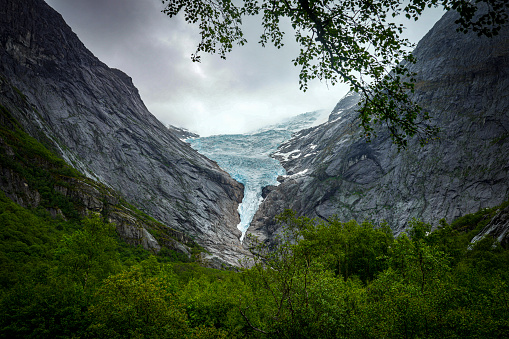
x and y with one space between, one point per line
76 278
40 179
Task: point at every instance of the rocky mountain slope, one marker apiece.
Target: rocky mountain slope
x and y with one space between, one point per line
94 118
33 177
463 81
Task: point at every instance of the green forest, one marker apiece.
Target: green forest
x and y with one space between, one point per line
70 276
76 279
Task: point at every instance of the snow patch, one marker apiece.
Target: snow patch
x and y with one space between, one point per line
296 175
287 156
332 121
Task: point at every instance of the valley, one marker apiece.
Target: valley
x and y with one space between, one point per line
113 225
247 158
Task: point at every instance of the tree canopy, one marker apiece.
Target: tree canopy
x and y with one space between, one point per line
356 42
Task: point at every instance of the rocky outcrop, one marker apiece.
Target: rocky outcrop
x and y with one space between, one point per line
182 133
498 228
463 81
94 118
24 163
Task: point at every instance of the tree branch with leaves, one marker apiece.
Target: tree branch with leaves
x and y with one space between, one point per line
356 42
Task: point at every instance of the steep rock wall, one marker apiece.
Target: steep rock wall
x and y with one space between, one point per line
95 118
463 81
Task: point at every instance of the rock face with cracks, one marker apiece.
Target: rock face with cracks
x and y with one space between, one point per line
94 118
463 82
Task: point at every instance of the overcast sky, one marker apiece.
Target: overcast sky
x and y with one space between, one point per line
254 86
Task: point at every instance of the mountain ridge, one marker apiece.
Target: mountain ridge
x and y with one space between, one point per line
462 80
94 117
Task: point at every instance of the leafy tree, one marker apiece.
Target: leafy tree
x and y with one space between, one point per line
88 255
138 303
215 304
346 248
47 308
352 41
310 277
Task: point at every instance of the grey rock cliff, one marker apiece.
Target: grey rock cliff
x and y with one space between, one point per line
463 81
95 118
86 196
498 228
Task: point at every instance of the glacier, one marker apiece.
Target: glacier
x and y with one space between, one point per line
247 157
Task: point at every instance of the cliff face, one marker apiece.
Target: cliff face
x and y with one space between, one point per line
33 177
463 81
94 117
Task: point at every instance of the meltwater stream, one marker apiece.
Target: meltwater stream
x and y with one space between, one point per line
246 157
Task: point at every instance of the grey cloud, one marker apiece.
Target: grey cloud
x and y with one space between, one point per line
253 86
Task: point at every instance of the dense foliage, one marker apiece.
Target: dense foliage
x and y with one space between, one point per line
323 279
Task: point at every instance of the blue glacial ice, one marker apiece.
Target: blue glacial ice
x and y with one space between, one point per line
246 157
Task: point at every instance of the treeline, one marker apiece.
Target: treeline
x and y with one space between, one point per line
76 279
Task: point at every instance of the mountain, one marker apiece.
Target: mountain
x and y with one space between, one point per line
246 157
463 82
93 116
35 178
